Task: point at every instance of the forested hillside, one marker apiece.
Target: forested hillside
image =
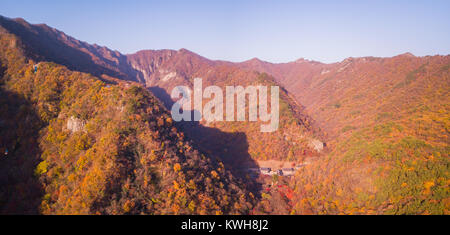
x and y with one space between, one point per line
388 125
164 70
78 145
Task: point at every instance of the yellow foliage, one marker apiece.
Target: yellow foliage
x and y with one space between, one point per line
214 174
177 167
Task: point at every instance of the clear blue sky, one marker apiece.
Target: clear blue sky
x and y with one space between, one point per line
276 31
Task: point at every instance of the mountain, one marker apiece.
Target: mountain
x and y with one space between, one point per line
387 120
50 90
370 134
166 69
161 71
75 144
318 86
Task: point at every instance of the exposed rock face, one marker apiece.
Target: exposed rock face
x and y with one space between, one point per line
75 124
148 62
162 68
316 145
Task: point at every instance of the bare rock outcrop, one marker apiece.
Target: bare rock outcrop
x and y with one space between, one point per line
75 124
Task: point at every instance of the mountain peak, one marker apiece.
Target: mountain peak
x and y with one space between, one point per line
300 60
254 60
184 50
407 54
18 19
303 60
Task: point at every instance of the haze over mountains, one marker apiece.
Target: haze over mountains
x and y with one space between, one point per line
385 122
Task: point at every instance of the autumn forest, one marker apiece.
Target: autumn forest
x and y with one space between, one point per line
87 130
